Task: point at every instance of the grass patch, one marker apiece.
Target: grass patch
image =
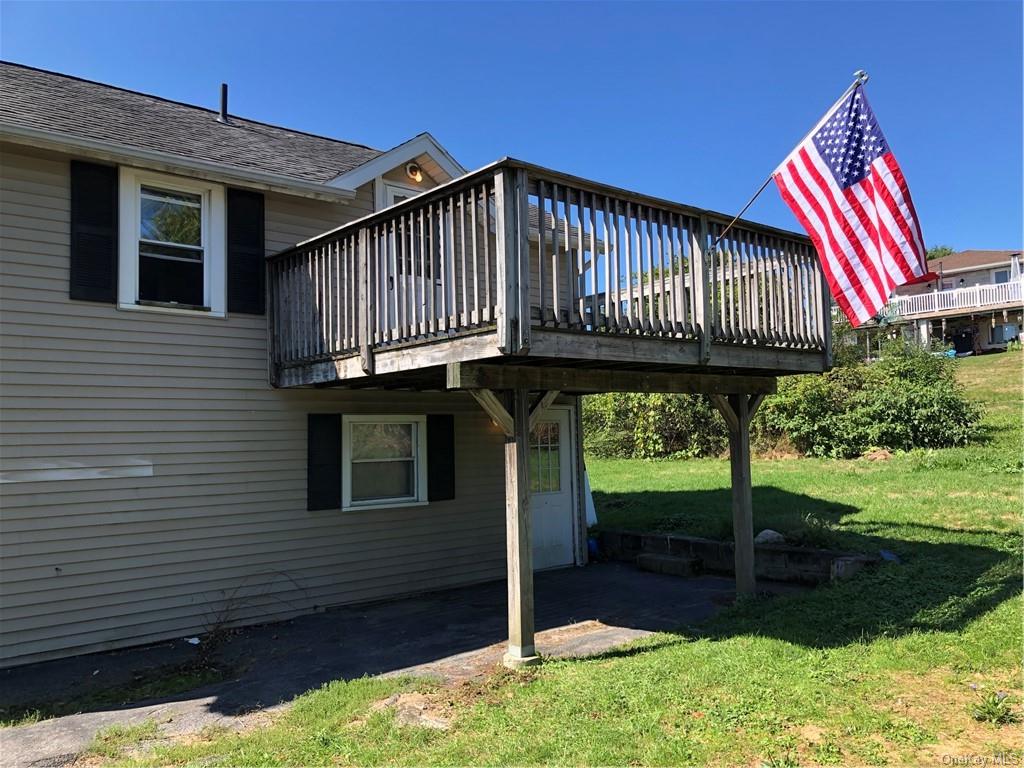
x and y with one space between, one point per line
113 741
164 681
886 668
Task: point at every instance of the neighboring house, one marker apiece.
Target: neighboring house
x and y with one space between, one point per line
975 304
193 436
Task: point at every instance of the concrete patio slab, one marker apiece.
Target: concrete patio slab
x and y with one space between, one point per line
454 635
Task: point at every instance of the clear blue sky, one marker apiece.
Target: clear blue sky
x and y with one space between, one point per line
691 101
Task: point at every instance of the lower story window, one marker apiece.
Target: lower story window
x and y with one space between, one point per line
384 461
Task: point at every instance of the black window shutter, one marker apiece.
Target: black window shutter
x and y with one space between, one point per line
440 457
246 252
93 232
323 462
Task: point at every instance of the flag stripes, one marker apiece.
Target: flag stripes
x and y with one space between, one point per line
847 190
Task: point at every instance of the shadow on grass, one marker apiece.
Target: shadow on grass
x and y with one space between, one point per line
947 578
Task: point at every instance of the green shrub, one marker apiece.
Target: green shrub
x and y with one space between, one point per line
652 426
908 399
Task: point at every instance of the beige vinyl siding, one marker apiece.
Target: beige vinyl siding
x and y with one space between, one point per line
189 504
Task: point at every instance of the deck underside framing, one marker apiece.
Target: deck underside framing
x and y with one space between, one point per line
423 366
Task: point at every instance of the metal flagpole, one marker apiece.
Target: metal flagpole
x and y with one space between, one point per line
859 78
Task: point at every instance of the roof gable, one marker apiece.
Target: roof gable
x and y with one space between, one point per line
423 144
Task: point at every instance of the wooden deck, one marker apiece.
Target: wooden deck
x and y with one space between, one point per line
517 264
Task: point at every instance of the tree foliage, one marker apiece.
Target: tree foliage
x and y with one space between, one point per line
939 252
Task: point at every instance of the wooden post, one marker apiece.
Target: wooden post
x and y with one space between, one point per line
742 502
737 411
825 302
506 240
519 550
699 276
367 294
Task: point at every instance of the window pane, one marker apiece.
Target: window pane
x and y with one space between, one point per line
170 252
171 217
545 464
373 480
382 441
1002 276
534 470
171 280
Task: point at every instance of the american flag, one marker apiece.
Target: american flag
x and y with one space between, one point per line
848 191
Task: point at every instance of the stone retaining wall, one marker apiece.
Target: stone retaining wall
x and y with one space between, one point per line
772 561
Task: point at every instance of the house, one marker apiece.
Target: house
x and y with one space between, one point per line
250 373
976 304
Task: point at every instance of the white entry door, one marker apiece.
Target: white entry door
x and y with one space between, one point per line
551 490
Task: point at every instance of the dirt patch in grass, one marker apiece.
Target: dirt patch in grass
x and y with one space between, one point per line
438 708
877 454
927 721
938 699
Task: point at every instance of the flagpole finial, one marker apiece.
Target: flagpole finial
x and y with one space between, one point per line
860 76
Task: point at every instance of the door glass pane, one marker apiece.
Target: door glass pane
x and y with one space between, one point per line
382 441
545 465
373 480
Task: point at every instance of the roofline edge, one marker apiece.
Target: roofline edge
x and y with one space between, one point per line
120 153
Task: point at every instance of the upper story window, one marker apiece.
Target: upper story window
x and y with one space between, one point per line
395 193
1000 276
171 247
172 244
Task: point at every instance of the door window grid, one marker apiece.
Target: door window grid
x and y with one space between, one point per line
545 458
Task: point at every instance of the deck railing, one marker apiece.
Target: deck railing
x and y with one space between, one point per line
984 297
514 247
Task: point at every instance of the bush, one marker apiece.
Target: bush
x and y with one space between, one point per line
652 426
908 399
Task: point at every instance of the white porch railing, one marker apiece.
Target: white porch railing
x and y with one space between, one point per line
975 297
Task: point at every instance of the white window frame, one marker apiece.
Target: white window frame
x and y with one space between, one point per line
214 238
996 271
419 462
388 190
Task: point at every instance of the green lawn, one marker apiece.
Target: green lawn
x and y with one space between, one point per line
883 669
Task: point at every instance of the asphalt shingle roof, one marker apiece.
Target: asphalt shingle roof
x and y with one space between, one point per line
973 259
50 101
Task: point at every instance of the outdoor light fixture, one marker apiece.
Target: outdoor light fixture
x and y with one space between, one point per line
962 282
412 170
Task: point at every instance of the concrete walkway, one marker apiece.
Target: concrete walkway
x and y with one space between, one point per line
455 634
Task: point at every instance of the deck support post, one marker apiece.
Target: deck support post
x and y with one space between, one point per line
738 410
519 550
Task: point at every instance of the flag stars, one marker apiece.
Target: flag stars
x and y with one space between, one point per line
848 140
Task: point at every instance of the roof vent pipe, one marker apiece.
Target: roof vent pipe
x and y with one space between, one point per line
223 116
